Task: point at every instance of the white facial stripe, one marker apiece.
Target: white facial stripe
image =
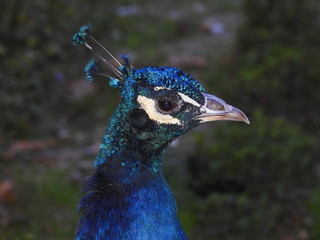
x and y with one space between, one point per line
159 88
149 105
189 100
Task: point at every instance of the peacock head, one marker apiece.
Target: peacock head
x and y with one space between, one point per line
160 103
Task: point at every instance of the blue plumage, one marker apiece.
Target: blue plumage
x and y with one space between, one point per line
81 36
127 197
172 78
90 69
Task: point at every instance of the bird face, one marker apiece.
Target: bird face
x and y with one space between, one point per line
170 107
166 108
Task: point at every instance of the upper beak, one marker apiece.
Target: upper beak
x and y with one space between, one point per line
216 109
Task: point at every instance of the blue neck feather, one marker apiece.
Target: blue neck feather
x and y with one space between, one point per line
127 197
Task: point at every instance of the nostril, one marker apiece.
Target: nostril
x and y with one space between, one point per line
213 105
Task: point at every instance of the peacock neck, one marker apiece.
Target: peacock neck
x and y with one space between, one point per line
142 209
127 197
115 139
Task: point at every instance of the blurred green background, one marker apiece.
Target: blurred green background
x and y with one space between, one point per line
232 181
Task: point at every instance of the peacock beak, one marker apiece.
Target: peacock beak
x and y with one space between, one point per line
216 109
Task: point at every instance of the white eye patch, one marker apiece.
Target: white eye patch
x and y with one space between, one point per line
159 88
149 106
187 99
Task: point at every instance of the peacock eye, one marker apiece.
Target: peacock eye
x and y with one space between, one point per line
166 105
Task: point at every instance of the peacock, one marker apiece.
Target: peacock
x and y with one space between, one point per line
127 197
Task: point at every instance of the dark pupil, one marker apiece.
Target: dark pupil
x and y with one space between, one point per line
166 105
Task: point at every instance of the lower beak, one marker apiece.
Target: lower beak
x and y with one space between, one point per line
216 109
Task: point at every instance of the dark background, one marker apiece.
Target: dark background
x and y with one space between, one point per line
231 180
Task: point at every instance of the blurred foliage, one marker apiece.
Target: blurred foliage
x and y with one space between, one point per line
256 182
250 180
32 42
47 204
275 65
314 206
